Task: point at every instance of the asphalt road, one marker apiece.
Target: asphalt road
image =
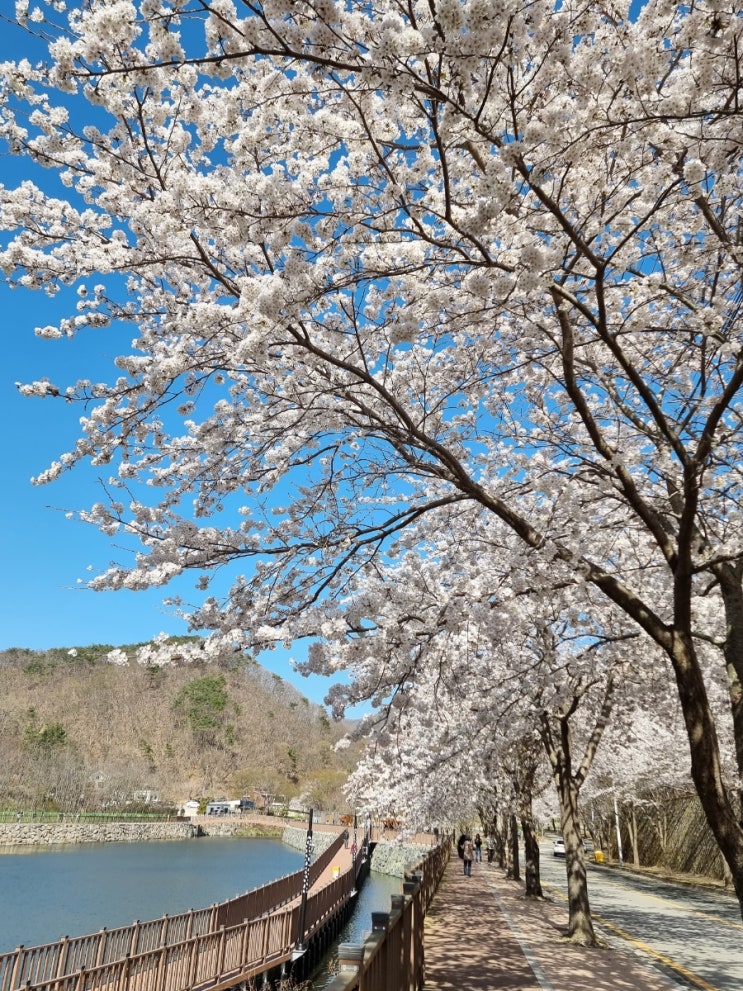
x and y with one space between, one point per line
692 935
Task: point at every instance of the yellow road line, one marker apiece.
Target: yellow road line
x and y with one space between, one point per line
677 967
690 911
698 981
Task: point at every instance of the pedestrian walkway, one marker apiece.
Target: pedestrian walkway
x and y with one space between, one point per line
482 934
340 864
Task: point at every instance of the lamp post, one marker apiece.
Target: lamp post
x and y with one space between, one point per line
354 852
619 832
300 947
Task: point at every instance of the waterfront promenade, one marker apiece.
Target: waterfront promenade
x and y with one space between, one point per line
482 934
213 948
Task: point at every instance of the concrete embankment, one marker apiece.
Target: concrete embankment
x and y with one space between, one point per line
387 858
52 834
297 838
394 858
210 826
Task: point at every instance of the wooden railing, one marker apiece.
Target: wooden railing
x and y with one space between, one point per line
113 954
214 960
391 959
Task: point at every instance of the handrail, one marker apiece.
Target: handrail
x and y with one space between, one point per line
324 903
54 818
391 959
37 965
216 959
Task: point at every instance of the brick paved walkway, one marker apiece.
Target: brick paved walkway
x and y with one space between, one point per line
482 935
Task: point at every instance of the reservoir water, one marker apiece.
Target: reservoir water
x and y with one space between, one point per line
72 890
374 896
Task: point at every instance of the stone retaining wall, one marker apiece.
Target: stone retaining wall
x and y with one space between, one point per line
387 858
393 858
51 834
219 827
297 838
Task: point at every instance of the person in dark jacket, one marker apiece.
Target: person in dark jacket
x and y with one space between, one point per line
467 852
478 848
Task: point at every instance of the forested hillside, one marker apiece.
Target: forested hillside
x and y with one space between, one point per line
88 727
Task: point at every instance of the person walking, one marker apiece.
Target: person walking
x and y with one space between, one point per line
467 851
478 848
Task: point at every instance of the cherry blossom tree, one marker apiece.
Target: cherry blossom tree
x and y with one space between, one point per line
638 758
415 258
490 687
569 711
521 764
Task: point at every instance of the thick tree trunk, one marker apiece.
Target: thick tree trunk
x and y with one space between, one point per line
531 859
513 841
632 828
500 848
508 848
489 819
580 925
732 597
706 771
522 782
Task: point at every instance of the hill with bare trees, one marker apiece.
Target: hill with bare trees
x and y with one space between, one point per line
89 728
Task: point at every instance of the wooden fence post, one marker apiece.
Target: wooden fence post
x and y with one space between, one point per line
350 957
16 968
134 941
193 963
381 929
401 906
123 981
101 947
61 956
221 951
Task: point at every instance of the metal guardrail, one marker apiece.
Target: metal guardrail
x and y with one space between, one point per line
55 818
391 959
51 964
208 961
211 960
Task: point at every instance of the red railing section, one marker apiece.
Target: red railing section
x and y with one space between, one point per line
219 947
391 959
129 950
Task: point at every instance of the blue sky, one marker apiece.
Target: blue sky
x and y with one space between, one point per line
43 553
46 557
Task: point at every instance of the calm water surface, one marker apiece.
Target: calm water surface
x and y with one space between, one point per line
373 897
73 890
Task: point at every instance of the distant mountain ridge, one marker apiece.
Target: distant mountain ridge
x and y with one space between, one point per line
77 731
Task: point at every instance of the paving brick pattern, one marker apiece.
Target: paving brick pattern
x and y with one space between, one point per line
482 934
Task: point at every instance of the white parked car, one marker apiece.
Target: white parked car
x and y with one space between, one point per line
559 848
